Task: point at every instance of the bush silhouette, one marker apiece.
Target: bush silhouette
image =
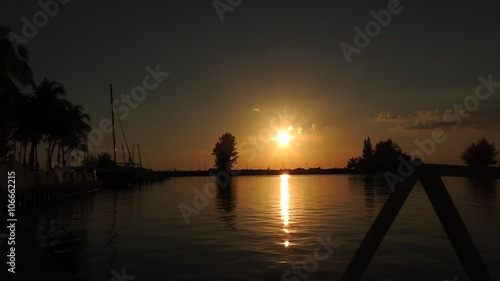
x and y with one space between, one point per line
480 154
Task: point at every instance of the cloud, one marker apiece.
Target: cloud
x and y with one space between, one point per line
256 109
313 127
387 117
424 120
299 131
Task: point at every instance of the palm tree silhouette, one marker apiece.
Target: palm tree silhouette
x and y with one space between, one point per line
75 130
13 62
14 69
43 115
46 115
28 129
51 108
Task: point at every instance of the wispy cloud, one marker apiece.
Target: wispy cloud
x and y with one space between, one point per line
423 120
256 109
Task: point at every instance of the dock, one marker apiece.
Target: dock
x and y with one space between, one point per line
38 187
22 256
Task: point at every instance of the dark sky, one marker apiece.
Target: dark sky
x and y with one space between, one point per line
265 56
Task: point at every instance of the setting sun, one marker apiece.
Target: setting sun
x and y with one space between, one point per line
283 138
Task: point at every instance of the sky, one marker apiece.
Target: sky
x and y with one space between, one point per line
330 73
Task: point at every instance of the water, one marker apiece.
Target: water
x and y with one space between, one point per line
260 229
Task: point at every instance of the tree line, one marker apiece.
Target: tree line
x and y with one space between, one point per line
31 113
385 155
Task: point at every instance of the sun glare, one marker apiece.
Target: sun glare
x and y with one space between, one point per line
283 138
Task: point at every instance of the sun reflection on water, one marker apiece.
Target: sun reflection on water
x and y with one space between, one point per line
285 198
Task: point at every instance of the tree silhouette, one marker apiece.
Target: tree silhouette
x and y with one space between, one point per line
225 153
385 155
45 115
367 149
75 129
29 128
42 115
90 162
365 163
53 107
14 71
480 154
104 160
353 163
13 64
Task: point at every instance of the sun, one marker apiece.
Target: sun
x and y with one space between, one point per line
283 138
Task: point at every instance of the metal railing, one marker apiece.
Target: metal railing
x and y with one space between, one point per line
430 177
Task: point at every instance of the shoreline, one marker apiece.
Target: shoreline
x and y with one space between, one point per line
262 172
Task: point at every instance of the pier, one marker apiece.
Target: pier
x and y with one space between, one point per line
23 258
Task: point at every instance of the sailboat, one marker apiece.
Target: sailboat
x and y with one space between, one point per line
120 174
284 170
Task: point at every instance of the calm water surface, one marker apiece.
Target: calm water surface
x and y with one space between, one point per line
261 228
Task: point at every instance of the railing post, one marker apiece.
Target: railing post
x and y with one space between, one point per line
378 230
454 226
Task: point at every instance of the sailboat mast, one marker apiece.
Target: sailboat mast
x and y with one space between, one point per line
113 122
133 152
123 154
139 152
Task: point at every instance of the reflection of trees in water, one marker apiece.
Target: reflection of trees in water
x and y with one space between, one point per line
226 203
369 193
482 192
374 189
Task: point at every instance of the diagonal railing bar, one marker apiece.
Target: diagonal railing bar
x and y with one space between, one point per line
430 177
454 226
378 230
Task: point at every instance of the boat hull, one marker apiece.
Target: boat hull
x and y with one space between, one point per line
114 177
